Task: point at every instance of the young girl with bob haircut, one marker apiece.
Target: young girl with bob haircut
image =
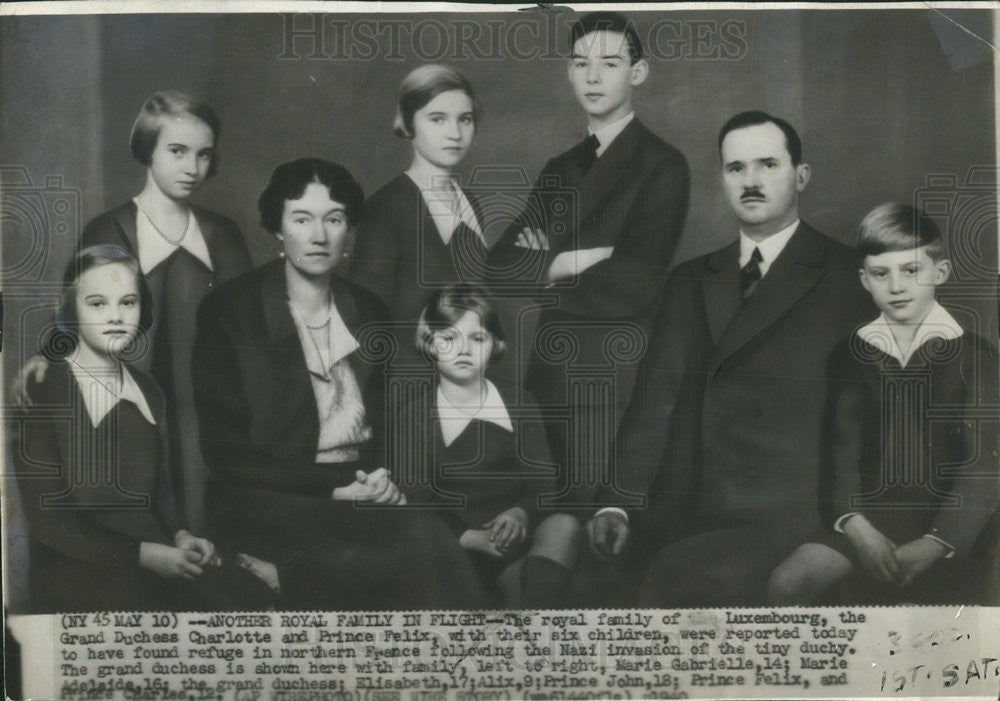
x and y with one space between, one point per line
422 230
183 251
483 455
91 459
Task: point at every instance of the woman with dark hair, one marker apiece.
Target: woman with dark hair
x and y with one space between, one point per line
289 390
421 231
183 251
90 461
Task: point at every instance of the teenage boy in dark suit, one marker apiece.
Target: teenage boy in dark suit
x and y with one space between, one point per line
604 258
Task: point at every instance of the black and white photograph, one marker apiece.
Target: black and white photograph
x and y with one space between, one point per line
376 352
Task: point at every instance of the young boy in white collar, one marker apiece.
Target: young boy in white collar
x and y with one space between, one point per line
910 496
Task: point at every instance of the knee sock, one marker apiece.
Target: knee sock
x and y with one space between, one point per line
542 582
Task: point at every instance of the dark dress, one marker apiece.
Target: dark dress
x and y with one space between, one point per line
399 257
912 450
485 471
178 284
91 496
269 498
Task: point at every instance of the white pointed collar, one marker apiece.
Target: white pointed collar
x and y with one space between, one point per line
99 397
454 421
938 323
154 248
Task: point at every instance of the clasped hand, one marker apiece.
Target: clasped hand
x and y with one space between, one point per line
887 562
374 487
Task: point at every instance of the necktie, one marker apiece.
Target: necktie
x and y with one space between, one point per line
589 153
750 275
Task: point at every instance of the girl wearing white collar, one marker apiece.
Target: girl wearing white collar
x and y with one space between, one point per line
104 530
490 464
183 251
421 229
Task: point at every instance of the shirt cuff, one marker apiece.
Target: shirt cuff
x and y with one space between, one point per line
612 510
838 525
951 550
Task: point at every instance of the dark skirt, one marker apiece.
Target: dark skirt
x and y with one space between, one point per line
338 555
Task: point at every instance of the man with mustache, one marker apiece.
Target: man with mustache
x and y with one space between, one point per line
718 455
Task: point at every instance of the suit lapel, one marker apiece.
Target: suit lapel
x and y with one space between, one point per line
721 289
796 270
613 166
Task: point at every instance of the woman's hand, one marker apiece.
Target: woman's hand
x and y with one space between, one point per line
35 367
375 487
507 528
169 562
202 547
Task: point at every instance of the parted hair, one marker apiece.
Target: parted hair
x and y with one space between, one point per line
449 304
894 226
423 84
65 337
608 22
755 118
170 103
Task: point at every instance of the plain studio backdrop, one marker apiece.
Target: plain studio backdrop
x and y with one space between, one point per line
891 105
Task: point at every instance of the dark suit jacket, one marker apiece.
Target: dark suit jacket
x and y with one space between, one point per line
726 423
256 407
85 537
937 473
635 198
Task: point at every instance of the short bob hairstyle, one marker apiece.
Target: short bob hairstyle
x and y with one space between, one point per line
289 181
423 84
898 227
65 337
170 103
449 304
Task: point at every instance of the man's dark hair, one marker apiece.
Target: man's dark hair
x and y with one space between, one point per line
755 118
607 22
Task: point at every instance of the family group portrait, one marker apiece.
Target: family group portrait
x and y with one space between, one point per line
540 309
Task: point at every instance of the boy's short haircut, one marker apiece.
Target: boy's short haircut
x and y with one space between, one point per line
60 342
607 22
170 103
449 304
898 227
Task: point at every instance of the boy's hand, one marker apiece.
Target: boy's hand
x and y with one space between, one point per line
916 556
535 239
877 553
508 527
168 562
200 546
34 368
608 533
